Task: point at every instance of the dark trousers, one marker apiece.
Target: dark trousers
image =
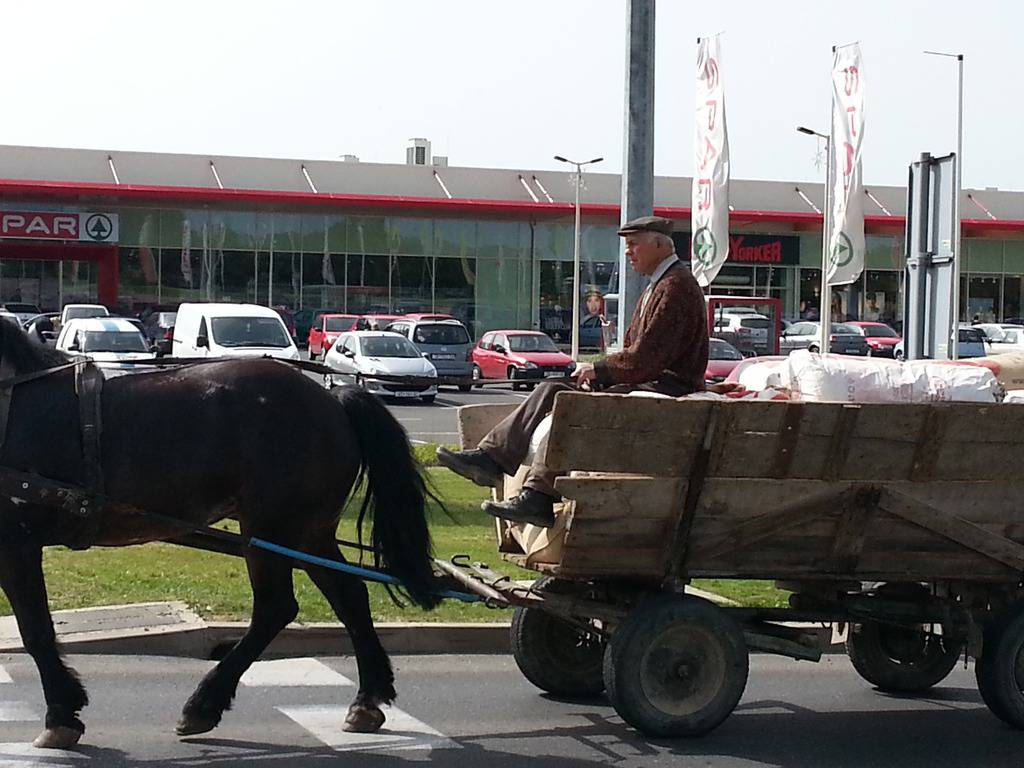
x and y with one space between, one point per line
509 441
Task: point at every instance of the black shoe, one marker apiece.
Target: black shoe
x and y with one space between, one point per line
473 465
529 506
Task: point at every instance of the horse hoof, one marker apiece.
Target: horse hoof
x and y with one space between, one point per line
60 737
363 719
190 725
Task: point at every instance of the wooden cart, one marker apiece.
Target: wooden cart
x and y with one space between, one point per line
902 524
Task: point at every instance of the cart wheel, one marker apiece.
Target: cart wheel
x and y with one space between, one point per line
1000 670
554 655
901 659
677 666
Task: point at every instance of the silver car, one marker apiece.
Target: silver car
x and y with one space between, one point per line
445 343
843 339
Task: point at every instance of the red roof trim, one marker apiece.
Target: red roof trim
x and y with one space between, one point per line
197 195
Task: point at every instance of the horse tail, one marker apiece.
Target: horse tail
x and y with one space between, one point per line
396 494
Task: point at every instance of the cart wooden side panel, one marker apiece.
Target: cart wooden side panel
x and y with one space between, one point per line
790 490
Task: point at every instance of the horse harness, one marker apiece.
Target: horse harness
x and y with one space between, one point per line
86 504
27 487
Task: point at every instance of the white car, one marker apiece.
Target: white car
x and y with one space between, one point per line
749 332
110 342
359 356
1002 337
79 311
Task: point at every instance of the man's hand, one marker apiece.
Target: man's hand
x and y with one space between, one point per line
584 374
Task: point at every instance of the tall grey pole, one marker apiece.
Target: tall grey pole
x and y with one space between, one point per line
638 150
825 312
575 352
954 331
954 336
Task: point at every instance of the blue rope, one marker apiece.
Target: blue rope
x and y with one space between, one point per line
370 574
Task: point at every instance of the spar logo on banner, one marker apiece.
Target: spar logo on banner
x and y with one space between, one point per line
709 211
52 225
846 239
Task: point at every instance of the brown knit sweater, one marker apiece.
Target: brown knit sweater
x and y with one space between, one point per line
669 343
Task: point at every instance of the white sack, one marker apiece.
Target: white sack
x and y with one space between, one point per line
834 378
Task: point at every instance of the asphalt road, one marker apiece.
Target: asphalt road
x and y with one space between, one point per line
436 423
468 711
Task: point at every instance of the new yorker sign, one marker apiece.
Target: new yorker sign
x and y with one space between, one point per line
53 225
754 249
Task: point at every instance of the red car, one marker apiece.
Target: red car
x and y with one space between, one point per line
526 355
723 357
881 339
325 330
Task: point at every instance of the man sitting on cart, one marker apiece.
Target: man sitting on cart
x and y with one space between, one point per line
665 351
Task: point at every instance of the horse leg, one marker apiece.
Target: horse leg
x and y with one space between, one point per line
21 578
350 600
273 608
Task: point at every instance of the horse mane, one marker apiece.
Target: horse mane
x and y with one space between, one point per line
23 354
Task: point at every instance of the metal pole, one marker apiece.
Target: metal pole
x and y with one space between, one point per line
575 353
638 150
825 312
954 335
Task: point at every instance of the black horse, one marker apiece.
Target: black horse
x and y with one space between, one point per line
251 439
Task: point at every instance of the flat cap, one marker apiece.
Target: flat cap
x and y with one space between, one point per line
647 224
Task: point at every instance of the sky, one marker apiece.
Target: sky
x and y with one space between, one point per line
508 84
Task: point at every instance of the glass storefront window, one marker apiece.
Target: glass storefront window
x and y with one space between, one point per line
983 300
810 295
412 282
882 296
1011 300
555 309
455 290
368 285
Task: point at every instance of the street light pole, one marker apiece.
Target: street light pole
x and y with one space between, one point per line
825 309
575 352
954 332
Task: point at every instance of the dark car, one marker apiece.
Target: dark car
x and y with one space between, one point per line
159 326
304 318
41 327
22 310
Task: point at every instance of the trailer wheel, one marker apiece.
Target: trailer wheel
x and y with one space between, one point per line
554 655
677 666
1000 669
901 659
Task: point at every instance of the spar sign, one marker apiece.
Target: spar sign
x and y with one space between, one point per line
51 225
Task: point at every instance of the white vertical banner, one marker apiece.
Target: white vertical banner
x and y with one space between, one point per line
846 238
709 210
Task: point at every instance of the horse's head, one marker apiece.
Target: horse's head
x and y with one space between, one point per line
19 354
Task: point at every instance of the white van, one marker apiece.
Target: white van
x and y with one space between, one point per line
77 311
231 330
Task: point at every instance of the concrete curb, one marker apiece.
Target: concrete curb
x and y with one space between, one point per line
173 629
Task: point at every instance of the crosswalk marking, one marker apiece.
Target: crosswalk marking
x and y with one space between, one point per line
401 731
5 676
293 672
17 712
26 756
